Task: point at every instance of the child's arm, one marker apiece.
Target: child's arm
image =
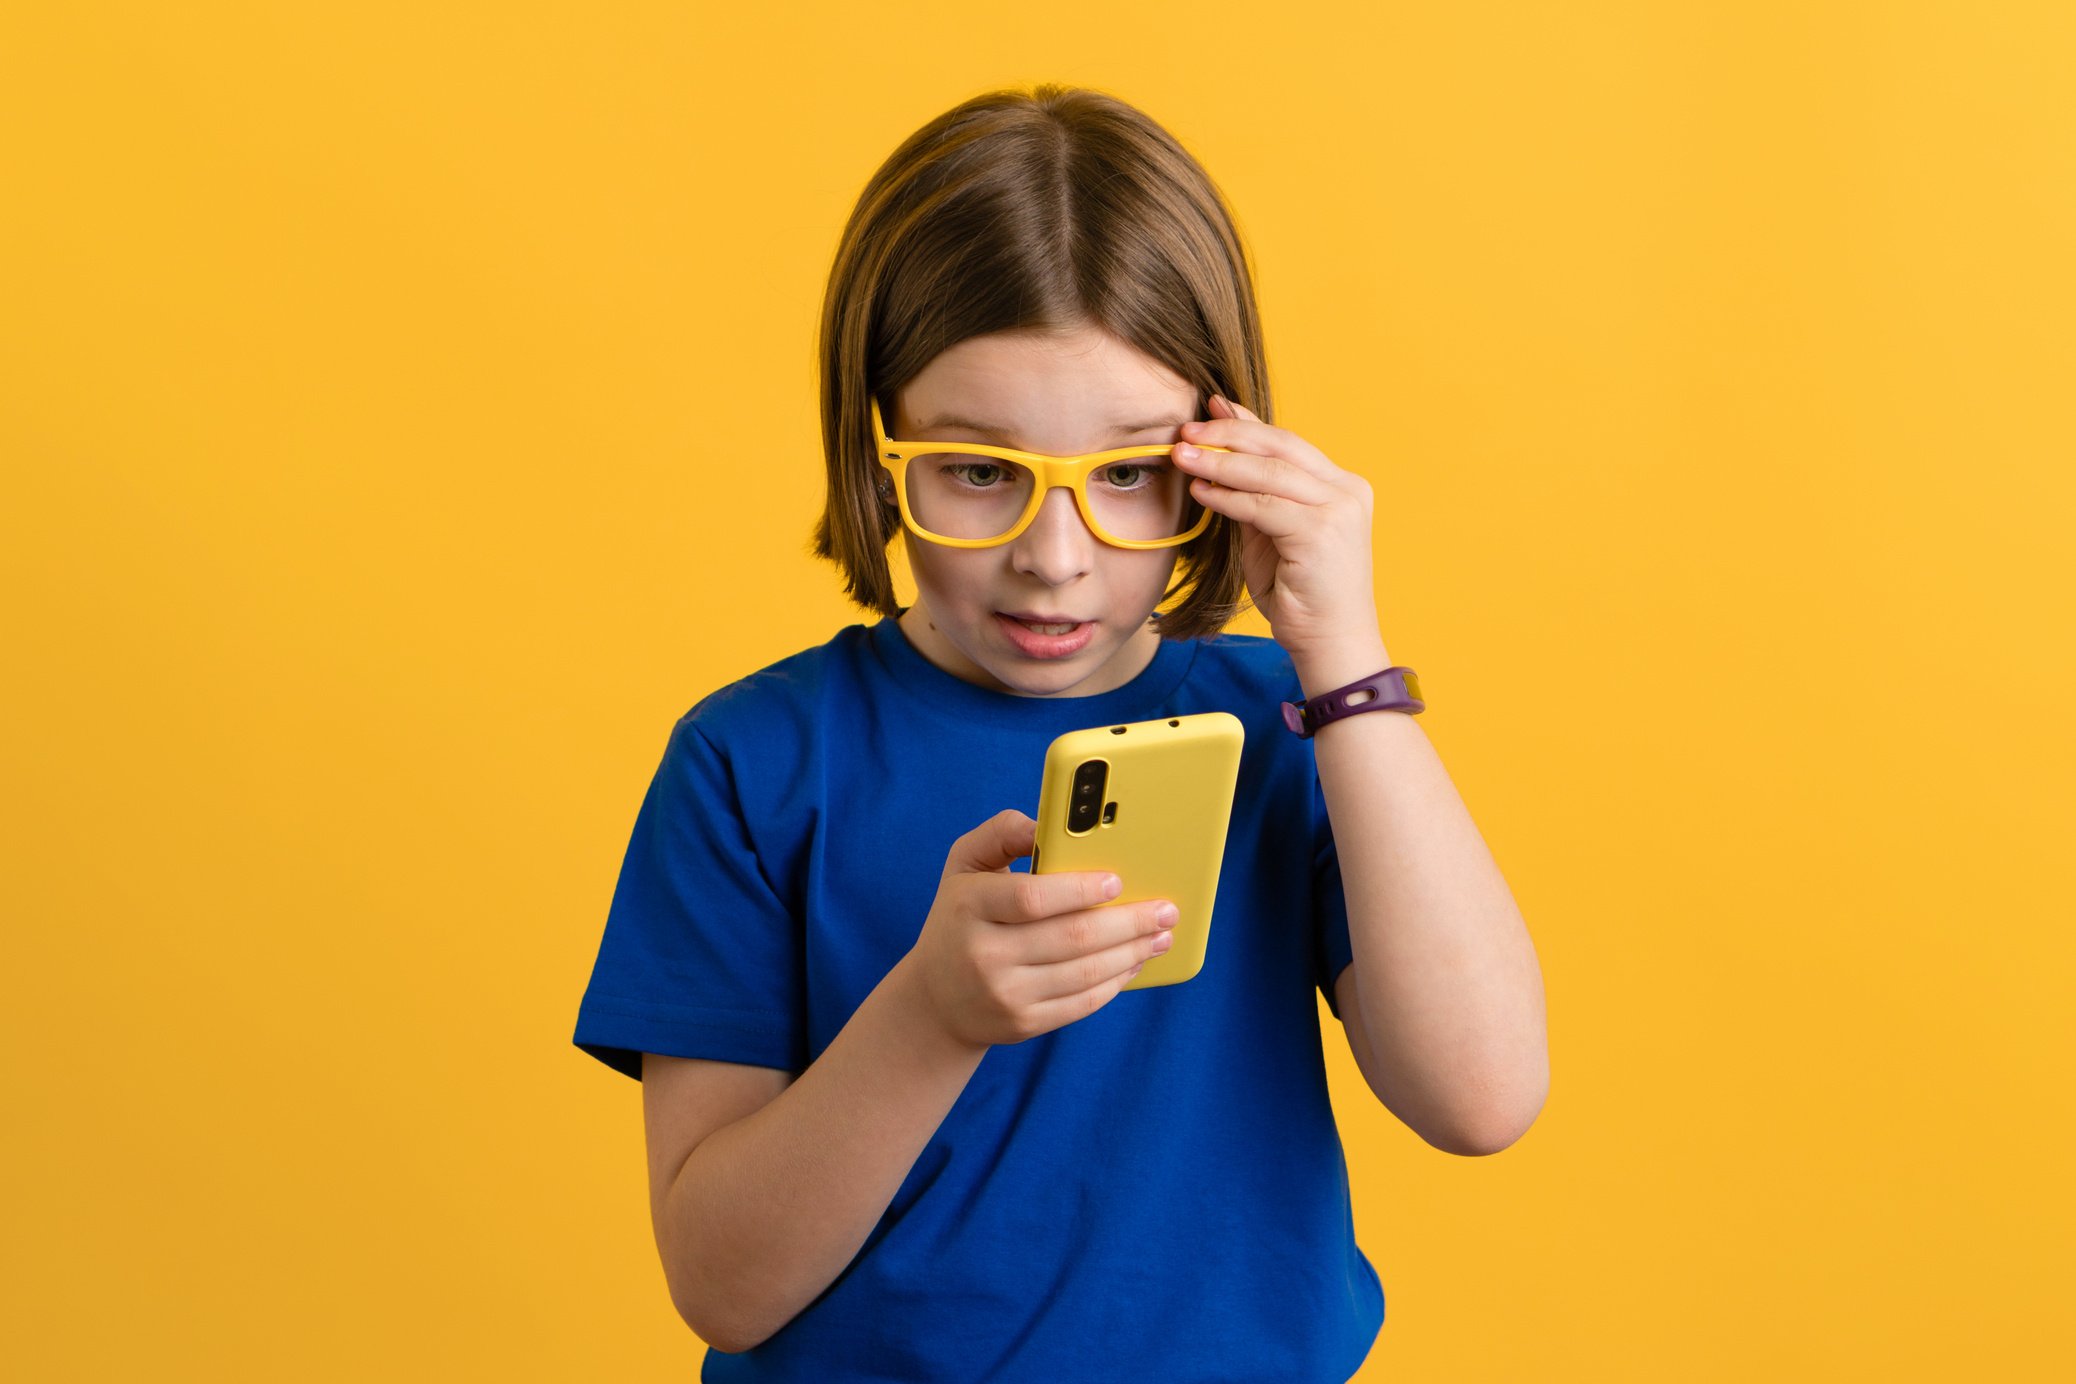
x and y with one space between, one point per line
1445 991
769 1209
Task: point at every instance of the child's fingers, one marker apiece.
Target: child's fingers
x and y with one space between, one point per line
1004 837
1088 932
1028 898
1069 990
1255 473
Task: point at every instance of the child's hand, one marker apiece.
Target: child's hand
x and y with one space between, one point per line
1004 957
1305 550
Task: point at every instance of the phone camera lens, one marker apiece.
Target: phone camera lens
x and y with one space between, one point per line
1087 800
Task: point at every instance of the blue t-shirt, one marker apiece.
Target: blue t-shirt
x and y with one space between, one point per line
1156 1191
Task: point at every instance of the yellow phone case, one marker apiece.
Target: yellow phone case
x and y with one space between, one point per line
1161 827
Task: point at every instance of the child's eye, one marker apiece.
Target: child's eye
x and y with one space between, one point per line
981 475
1128 475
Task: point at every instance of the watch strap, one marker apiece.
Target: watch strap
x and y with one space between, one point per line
1395 689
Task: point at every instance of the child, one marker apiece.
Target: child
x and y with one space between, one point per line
902 1124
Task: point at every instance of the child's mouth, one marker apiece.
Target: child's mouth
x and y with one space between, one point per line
1048 639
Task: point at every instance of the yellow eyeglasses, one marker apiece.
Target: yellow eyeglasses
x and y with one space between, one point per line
971 495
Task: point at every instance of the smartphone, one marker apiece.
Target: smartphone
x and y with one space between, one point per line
1149 802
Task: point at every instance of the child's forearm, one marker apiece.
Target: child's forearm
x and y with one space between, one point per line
770 1209
1450 989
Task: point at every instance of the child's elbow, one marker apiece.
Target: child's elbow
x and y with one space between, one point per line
709 1322
1482 1142
715 1337
1496 1126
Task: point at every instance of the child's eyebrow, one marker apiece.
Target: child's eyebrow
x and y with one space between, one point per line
952 420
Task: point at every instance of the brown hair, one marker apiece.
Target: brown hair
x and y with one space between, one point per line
1042 211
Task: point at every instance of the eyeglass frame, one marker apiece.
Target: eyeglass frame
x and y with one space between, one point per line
1063 473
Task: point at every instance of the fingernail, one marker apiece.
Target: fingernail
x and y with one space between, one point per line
1166 915
1112 887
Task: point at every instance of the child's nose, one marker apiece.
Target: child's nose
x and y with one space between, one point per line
1057 546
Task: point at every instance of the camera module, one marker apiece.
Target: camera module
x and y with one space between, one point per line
1090 778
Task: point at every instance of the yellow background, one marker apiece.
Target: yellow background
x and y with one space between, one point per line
408 412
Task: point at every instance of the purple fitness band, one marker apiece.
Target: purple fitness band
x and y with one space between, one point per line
1394 689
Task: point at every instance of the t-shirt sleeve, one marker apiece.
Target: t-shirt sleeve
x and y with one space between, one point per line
701 955
1331 949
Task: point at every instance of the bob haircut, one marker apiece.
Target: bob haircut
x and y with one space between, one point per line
1039 212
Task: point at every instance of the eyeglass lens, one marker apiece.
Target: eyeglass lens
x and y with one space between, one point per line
965 496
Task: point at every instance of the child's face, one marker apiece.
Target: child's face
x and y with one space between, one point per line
1060 395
